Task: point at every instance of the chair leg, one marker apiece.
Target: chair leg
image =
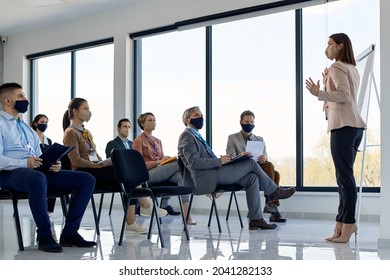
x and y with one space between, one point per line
126 203
64 205
100 206
111 203
17 224
189 207
157 222
183 218
214 206
238 209
95 216
230 204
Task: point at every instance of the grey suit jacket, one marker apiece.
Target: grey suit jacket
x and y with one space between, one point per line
236 144
116 143
200 168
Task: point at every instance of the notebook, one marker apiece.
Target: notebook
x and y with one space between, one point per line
239 158
171 159
53 154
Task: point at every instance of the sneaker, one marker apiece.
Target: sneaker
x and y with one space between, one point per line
270 208
76 240
137 228
260 224
48 244
281 193
148 211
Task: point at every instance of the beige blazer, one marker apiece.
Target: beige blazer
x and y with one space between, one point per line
340 95
236 144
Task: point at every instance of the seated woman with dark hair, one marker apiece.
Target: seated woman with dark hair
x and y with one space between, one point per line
39 125
84 156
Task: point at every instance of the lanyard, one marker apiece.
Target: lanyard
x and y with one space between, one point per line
19 122
197 135
153 144
29 147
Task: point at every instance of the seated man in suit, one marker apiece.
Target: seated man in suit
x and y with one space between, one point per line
19 160
205 170
121 141
237 144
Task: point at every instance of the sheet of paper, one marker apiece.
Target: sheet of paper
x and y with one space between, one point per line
256 148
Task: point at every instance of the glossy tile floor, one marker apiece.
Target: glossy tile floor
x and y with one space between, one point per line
298 239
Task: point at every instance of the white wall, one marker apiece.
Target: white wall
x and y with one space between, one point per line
142 16
384 238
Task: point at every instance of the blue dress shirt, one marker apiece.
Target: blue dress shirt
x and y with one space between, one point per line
15 149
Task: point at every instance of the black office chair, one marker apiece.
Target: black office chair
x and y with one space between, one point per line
233 188
16 196
131 171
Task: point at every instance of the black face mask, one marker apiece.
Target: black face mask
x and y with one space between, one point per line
21 106
247 127
197 123
42 126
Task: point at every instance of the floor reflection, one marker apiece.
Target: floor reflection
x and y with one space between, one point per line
298 239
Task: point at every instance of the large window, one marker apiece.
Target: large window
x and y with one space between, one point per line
253 68
173 79
94 82
52 87
90 70
350 17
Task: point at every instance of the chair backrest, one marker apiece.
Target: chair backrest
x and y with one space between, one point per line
187 179
129 167
65 163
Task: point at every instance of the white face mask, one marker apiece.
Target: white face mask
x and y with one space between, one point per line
85 115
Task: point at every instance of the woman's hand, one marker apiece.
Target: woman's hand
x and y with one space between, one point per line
325 76
312 87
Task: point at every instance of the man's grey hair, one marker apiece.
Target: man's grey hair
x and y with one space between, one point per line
187 113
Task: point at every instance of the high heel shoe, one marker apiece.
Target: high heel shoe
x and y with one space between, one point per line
346 232
336 232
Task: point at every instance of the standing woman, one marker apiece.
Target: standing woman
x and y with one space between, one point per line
39 124
341 84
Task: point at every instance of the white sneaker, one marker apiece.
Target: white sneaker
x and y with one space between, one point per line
148 211
137 228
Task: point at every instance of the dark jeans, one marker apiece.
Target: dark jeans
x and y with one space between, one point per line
36 183
344 144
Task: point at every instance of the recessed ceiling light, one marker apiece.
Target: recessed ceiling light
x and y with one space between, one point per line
43 3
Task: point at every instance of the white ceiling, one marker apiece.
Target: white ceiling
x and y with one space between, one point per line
22 15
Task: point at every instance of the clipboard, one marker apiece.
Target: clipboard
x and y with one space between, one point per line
171 159
53 154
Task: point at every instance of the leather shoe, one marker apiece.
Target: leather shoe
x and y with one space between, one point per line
48 244
76 240
281 193
277 218
260 224
171 212
270 208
